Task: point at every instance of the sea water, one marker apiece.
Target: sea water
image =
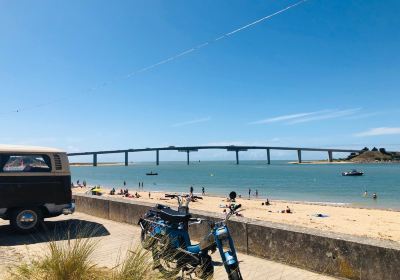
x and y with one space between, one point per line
279 180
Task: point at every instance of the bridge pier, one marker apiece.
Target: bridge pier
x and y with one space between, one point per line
236 150
268 156
237 156
94 159
157 157
126 158
330 156
187 151
299 155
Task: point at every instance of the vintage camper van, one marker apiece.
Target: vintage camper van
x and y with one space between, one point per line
35 183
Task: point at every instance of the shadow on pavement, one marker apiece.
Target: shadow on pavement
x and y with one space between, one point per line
53 230
217 263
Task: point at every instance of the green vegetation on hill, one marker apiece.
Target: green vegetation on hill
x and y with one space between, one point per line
374 155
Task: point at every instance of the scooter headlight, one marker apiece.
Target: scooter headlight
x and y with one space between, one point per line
222 233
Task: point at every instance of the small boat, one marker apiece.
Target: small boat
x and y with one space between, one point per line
152 173
352 173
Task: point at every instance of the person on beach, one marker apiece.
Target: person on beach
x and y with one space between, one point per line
127 194
203 191
191 191
124 183
256 193
288 210
365 194
112 192
149 195
84 183
374 196
267 202
249 193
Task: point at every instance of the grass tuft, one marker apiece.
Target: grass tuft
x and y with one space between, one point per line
137 265
68 260
73 260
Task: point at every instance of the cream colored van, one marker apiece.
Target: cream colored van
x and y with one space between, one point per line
35 183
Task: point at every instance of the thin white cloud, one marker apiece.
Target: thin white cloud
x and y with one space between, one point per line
379 131
309 116
333 114
363 116
191 122
283 118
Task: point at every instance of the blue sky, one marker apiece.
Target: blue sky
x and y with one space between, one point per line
322 74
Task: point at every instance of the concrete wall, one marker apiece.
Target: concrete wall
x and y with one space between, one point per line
334 254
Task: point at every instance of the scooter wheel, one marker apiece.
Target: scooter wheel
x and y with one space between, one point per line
165 260
235 273
146 240
206 270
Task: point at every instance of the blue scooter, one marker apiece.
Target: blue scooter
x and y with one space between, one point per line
224 240
165 233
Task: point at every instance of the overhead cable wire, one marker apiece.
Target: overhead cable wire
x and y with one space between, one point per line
169 59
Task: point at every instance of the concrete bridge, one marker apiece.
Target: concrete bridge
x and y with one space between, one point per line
231 148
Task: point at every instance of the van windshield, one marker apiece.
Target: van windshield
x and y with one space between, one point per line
25 163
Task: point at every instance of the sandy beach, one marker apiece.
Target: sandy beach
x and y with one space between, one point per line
320 162
374 223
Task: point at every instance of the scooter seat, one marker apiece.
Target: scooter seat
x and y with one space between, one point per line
174 216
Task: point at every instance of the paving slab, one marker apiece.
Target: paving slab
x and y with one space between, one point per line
115 239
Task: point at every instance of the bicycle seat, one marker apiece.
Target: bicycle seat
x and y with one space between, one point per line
173 216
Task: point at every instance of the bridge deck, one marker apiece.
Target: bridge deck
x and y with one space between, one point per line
230 148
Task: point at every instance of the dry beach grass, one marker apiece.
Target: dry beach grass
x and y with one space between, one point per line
72 260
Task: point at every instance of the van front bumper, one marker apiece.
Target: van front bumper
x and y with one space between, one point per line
69 210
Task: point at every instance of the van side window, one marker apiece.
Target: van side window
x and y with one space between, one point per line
25 163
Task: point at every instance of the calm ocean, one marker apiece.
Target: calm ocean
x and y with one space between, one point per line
280 180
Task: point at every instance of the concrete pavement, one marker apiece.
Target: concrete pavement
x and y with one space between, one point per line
114 239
